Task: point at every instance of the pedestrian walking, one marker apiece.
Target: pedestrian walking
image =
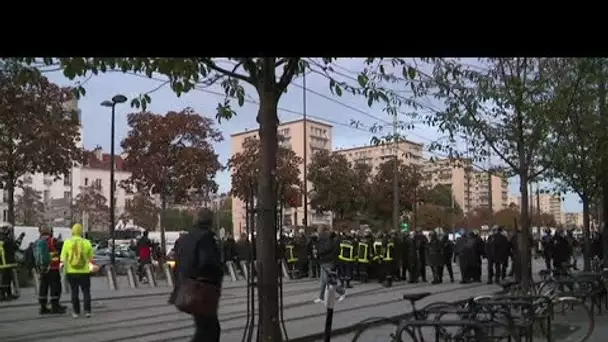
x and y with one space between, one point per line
76 255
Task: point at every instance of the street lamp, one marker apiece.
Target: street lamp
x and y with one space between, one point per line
112 104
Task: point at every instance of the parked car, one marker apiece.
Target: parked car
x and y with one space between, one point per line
124 260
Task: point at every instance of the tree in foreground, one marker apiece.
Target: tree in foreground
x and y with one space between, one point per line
505 108
270 77
142 210
39 133
91 206
29 208
507 218
171 155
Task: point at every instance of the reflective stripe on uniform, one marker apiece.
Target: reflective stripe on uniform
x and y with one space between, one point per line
291 258
389 251
362 253
348 248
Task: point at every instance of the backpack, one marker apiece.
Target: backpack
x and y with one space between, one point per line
76 257
42 254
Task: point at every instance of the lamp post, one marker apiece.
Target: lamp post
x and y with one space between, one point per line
112 104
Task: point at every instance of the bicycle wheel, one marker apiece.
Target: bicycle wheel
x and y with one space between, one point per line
406 333
378 329
572 320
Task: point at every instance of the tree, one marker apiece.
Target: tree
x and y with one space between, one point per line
507 218
245 167
332 184
171 155
442 196
543 220
92 206
478 217
175 220
431 216
505 108
33 114
264 74
225 215
143 211
409 185
29 208
573 161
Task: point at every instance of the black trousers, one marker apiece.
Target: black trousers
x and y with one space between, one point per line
7 278
50 284
363 269
495 270
207 329
315 268
423 271
447 264
345 271
80 282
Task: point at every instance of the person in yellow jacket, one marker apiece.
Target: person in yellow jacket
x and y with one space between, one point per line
76 256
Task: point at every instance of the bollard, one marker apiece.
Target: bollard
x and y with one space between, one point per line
36 277
131 277
65 286
245 269
111 276
231 270
284 269
150 275
168 274
16 290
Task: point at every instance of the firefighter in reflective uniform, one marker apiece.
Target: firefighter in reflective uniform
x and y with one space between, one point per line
7 263
364 255
291 258
388 262
347 260
379 253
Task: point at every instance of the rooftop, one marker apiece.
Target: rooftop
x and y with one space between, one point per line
316 122
96 159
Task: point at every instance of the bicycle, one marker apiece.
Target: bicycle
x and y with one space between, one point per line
395 326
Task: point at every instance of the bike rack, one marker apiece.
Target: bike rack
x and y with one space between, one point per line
111 276
168 274
131 278
231 270
149 271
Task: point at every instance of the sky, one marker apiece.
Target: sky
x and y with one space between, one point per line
340 112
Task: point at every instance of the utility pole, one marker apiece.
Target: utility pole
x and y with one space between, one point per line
415 204
490 197
538 212
395 177
305 155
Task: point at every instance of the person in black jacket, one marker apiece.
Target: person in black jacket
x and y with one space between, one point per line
448 254
328 248
199 257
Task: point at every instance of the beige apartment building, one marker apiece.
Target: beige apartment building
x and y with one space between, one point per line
549 204
573 219
310 136
470 188
408 152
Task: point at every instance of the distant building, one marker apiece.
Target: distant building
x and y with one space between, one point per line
549 204
573 220
317 136
409 152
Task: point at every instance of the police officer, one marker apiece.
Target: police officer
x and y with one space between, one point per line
447 247
378 250
388 262
347 259
435 257
497 252
313 256
291 257
413 261
421 242
364 255
7 262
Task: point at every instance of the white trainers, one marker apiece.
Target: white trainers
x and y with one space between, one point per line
318 300
75 315
87 314
341 298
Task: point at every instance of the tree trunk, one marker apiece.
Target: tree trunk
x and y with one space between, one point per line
163 206
268 327
586 233
523 241
10 188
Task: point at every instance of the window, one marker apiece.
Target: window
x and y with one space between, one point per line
67 180
5 215
67 195
86 182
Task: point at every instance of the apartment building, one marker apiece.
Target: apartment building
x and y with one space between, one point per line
304 138
470 188
409 152
573 220
52 188
549 204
